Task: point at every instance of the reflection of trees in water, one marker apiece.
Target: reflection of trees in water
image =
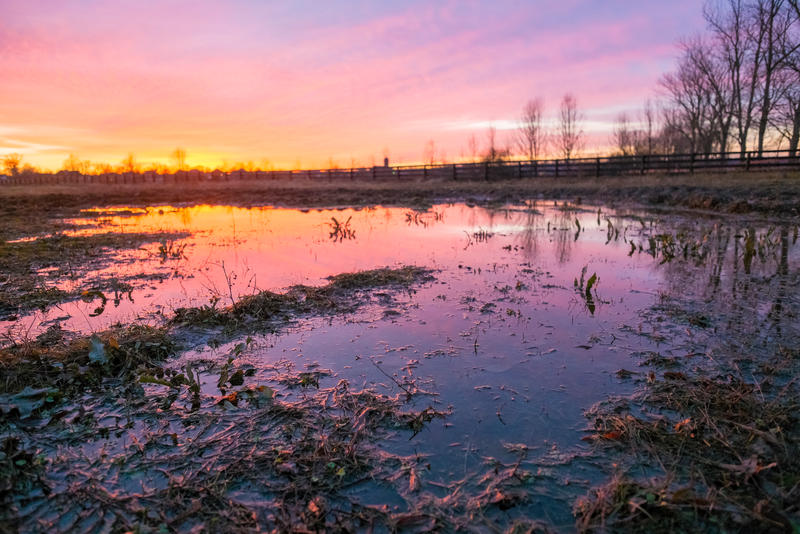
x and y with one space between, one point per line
528 220
563 236
528 238
750 292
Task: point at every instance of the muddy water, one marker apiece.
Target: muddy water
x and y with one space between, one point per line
511 339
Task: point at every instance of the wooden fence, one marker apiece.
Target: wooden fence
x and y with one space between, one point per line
502 170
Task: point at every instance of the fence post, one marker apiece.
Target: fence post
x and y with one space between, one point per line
556 168
691 164
425 171
486 171
373 173
536 169
519 170
597 168
454 172
747 167
644 164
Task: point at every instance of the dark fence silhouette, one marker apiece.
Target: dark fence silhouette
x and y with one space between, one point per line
499 170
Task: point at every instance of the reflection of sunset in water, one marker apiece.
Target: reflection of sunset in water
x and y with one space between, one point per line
233 251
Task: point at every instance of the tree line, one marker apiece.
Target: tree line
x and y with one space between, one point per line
735 87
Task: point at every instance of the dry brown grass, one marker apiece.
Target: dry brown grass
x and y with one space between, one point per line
722 454
767 192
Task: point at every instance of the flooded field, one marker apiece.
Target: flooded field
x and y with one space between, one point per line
514 368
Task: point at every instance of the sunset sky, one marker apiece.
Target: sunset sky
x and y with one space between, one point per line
301 83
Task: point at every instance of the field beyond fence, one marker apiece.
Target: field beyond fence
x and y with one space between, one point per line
486 171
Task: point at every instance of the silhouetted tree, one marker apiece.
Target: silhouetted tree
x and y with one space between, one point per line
570 135
649 119
429 153
531 136
129 164
494 151
625 138
472 147
11 163
179 155
692 109
74 164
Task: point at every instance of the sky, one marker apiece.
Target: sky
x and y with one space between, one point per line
308 83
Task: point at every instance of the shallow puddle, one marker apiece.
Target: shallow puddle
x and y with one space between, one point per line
532 313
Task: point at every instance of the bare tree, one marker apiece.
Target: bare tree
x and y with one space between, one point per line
179 155
11 163
740 51
672 138
649 121
786 119
129 164
74 164
719 96
491 147
570 135
693 112
624 137
472 146
531 136
767 23
494 151
429 153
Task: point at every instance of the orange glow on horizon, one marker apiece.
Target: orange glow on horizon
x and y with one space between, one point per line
266 85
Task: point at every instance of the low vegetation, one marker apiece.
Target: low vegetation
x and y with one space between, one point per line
718 453
30 268
773 193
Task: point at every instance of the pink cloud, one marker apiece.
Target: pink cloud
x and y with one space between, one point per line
199 77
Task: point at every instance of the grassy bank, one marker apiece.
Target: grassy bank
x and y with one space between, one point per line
766 193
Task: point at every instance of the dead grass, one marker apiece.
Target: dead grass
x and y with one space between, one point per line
23 287
774 193
340 294
722 454
71 364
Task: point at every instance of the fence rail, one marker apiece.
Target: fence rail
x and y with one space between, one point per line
489 171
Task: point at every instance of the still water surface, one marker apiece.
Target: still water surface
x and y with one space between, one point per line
502 338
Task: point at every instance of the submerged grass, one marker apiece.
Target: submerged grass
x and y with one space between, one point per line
70 364
262 465
340 294
719 453
300 457
25 287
